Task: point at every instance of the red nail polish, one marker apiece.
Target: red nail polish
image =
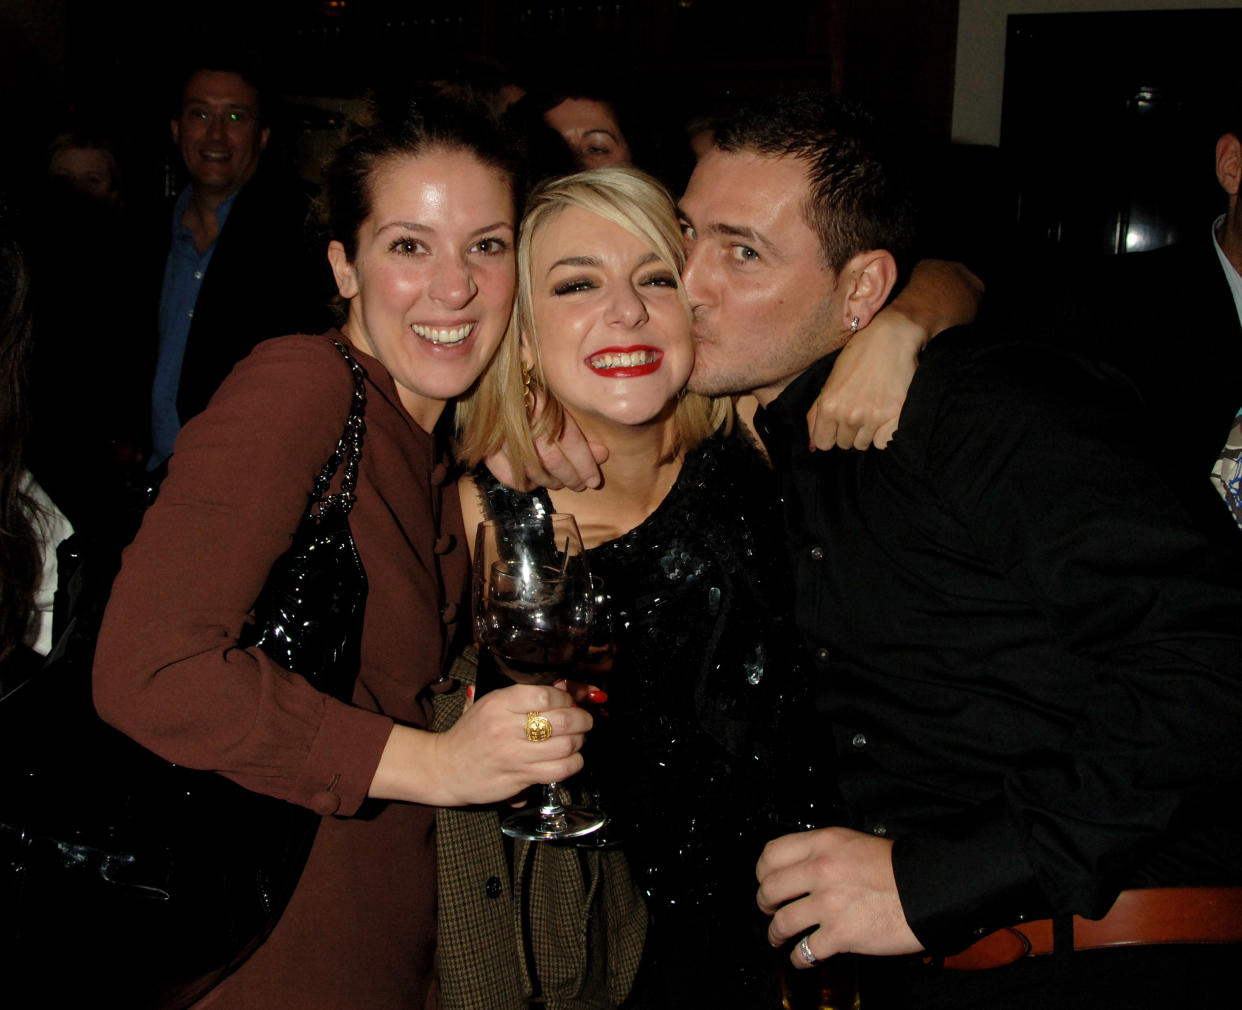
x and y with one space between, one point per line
469 692
596 696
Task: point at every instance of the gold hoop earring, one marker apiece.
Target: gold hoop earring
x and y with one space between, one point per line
528 389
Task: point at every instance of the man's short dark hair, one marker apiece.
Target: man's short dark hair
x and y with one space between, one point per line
859 198
224 59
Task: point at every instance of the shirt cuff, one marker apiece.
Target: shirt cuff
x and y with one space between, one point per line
955 888
342 759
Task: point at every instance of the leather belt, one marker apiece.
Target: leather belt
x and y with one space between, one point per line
1147 916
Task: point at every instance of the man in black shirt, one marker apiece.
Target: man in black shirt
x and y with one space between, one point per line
1030 658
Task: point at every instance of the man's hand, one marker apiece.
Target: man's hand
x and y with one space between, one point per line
834 886
570 461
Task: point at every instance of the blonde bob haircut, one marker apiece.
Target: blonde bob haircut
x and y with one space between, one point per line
493 415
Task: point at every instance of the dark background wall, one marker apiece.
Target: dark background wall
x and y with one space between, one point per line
1105 114
671 59
1111 120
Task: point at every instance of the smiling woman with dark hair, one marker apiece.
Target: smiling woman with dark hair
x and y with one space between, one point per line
421 206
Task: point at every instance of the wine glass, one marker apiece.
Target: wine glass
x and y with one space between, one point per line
533 610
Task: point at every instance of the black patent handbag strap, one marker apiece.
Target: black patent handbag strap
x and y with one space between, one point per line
348 449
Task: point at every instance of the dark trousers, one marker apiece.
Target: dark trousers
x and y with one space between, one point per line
1190 976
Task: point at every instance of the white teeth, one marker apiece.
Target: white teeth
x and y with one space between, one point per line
443 335
627 359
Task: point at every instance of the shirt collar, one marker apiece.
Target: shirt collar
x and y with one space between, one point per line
183 201
782 423
1231 273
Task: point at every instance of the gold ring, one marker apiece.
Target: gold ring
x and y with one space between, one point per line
538 729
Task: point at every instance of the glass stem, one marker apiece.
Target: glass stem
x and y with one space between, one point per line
552 809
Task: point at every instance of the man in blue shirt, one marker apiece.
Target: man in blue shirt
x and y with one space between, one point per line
238 267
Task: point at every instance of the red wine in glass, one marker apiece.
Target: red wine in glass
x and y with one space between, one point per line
534 621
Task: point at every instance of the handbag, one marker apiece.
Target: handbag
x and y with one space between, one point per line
136 882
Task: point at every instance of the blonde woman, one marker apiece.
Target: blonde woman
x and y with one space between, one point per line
684 531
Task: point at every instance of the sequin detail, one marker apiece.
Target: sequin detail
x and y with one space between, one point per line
705 699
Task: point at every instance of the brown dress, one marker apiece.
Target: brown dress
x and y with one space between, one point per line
360 930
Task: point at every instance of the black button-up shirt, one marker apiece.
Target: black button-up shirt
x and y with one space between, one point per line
1029 656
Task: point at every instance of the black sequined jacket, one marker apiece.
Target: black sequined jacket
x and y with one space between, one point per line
698 754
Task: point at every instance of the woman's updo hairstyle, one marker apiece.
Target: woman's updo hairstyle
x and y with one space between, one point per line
407 124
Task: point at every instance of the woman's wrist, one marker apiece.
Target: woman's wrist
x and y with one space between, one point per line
908 332
407 769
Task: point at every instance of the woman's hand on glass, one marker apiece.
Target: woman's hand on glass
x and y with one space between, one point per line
486 756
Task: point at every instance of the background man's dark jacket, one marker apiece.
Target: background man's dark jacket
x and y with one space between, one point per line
268 276
1165 318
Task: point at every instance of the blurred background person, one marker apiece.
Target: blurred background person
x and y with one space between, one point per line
591 127
31 526
232 255
1169 319
88 404
1227 232
86 161
586 117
